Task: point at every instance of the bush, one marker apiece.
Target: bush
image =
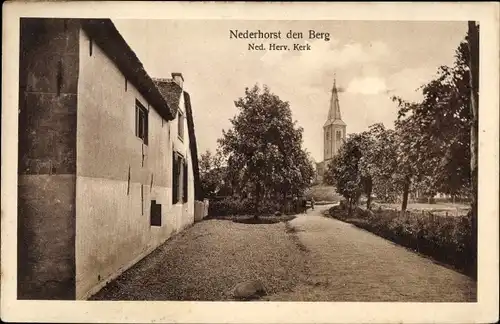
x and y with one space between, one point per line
234 206
339 211
230 206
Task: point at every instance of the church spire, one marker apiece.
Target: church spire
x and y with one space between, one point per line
334 112
334 130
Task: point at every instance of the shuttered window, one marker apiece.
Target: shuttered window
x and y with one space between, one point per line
179 178
185 183
141 122
175 179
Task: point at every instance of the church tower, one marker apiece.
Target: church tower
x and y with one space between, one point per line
334 129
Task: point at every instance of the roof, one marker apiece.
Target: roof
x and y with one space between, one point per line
170 91
334 117
334 122
198 191
163 94
104 33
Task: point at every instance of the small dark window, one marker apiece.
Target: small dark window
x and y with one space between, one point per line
141 122
155 214
339 135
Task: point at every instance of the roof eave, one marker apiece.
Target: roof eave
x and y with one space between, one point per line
109 39
337 122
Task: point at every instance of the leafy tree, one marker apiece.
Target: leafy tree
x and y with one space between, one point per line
213 175
364 144
412 159
435 134
264 148
369 161
344 173
378 163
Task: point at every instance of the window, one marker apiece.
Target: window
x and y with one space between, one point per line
185 183
141 122
175 179
179 178
327 134
180 125
155 214
339 135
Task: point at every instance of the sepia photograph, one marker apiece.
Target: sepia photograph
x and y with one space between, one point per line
248 160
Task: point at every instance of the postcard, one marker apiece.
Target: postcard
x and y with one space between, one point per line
250 162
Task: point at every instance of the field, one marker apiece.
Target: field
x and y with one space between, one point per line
323 194
441 209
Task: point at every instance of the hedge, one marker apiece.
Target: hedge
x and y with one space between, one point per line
227 206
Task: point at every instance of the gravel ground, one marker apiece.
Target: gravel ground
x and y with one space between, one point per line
310 258
207 260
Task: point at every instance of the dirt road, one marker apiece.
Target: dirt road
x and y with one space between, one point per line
310 258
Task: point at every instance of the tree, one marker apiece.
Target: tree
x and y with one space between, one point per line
473 47
435 134
213 175
344 172
208 177
368 161
378 163
264 148
412 158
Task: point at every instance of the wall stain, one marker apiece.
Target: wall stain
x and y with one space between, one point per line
128 181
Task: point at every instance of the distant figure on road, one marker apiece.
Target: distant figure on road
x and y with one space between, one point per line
303 204
312 203
295 205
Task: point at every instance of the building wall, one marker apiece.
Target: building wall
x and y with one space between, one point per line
337 142
331 144
117 176
48 74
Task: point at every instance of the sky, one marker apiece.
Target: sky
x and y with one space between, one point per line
371 61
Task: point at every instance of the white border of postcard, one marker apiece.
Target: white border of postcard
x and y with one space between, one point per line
485 310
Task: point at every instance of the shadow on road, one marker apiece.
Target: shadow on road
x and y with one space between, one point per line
263 219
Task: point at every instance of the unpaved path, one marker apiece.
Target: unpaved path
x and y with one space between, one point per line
350 264
311 258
